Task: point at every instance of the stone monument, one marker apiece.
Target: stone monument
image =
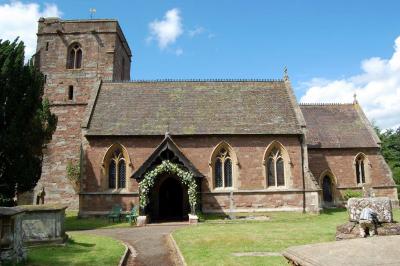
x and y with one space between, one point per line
384 224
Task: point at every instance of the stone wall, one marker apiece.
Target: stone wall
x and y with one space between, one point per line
340 162
103 44
250 190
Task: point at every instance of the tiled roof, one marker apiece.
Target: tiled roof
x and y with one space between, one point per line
338 126
194 107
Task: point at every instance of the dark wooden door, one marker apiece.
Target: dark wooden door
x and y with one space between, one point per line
327 189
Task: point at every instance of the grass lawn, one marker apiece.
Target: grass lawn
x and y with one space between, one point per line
80 249
73 223
213 242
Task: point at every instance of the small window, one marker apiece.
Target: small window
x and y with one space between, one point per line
275 169
70 92
117 170
111 174
75 55
360 169
223 169
45 79
47 46
121 174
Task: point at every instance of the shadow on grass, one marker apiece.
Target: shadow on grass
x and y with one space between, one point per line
332 211
75 223
72 241
80 249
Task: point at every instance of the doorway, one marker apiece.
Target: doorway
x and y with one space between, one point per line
170 200
327 190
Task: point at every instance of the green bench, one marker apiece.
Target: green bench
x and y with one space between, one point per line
115 213
132 215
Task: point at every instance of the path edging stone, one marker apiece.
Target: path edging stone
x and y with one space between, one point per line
129 251
177 250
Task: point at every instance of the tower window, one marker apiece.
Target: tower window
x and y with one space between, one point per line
47 46
45 79
70 92
75 55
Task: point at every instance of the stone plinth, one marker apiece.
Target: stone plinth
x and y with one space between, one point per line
351 230
382 206
12 250
43 224
142 220
193 219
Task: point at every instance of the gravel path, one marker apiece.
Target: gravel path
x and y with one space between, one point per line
151 243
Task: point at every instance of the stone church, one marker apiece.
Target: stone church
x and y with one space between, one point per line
242 145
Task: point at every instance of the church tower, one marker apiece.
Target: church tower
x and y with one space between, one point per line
74 55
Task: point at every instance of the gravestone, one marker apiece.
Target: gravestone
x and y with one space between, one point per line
12 250
381 205
43 224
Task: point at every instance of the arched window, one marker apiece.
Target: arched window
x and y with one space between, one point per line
121 174
276 163
117 170
75 55
223 167
360 169
111 174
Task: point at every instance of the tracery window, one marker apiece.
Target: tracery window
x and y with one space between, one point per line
75 55
275 168
117 170
223 169
360 169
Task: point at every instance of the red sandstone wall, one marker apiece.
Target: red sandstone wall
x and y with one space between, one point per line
198 149
100 42
341 164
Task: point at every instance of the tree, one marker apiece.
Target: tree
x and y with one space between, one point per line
26 123
391 151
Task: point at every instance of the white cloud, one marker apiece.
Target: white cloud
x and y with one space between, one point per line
196 31
166 31
377 89
20 20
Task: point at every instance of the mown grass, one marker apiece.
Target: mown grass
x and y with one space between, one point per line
213 242
74 223
80 249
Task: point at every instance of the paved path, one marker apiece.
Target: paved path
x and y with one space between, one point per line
370 251
151 242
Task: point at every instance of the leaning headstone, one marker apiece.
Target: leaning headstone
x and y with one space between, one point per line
381 205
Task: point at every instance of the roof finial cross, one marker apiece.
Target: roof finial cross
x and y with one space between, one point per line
355 98
285 74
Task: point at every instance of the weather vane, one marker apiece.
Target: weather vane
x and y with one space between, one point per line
92 12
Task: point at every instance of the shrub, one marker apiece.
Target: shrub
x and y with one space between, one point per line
74 175
351 194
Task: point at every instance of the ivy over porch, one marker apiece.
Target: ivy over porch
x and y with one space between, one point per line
168 158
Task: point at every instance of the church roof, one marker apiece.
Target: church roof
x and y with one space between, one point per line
338 126
194 107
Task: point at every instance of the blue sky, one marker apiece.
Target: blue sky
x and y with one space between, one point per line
321 42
